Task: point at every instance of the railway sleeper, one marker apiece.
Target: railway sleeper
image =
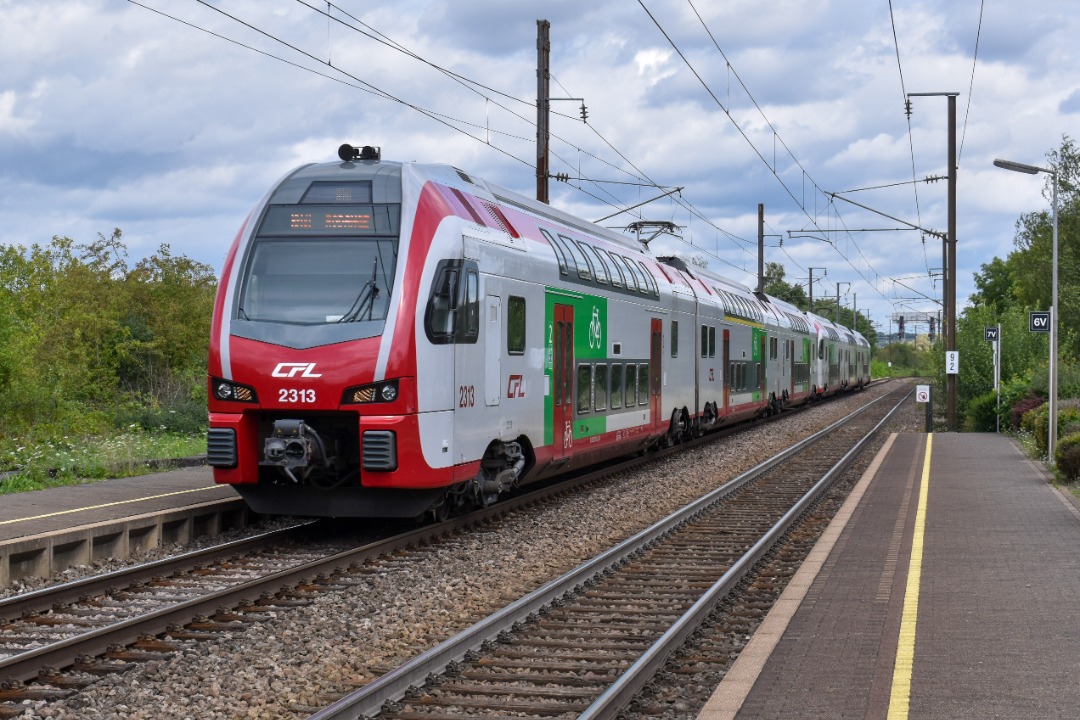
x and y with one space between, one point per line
49 675
15 691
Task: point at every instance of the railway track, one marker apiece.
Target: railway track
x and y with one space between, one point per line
584 645
59 639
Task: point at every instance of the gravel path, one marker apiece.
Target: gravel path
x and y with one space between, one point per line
304 658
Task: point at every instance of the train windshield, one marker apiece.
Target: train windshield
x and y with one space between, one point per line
318 280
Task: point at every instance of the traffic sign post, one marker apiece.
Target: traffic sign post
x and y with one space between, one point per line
922 395
1039 321
993 334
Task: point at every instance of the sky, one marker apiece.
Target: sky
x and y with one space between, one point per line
170 119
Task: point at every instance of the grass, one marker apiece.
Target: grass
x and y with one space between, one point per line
69 461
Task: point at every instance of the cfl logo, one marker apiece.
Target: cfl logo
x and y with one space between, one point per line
291 370
516 387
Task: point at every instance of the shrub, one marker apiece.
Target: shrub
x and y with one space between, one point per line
1022 406
981 413
1067 455
1068 414
1029 418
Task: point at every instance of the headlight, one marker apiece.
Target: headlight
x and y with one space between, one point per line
232 392
386 391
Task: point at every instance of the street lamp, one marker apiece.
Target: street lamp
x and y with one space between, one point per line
1052 172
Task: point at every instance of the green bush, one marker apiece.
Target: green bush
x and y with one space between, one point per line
981 413
1029 419
1068 414
1067 455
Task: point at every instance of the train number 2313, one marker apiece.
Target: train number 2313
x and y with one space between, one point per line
466 396
292 395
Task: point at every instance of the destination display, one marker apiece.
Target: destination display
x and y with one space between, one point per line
330 220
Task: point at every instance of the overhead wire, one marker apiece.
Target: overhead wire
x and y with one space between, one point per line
473 84
444 119
742 132
971 83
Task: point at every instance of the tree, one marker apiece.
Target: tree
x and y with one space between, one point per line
994 284
84 338
1030 263
776 286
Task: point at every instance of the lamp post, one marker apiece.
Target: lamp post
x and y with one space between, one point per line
1052 172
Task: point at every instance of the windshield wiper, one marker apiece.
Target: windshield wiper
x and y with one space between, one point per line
365 300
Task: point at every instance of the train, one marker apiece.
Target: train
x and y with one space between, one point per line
398 339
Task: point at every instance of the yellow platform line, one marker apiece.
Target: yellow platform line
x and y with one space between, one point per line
105 505
900 696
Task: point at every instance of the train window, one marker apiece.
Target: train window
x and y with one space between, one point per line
632 281
821 349
317 281
515 325
643 285
631 385
558 369
598 262
600 386
472 307
584 267
642 392
674 338
704 341
712 341
568 349
440 317
616 386
453 310
617 275
649 279
584 388
772 348
559 250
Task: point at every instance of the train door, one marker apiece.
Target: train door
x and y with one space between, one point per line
763 367
726 365
492 338
655 378
789 346
563 381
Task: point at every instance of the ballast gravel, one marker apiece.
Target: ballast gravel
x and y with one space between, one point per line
301 659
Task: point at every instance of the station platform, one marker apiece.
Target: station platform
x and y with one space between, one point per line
45 531
946 587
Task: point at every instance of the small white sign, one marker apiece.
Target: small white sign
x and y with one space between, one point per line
952 362
922 393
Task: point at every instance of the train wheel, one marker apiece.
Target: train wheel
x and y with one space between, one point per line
440 512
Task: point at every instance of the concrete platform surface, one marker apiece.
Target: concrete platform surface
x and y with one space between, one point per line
992 627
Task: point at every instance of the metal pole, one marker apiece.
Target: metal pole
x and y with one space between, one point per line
760 248
951 277
997 378
1052 444
543 106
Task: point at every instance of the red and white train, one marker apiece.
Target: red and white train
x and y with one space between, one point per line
393 339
